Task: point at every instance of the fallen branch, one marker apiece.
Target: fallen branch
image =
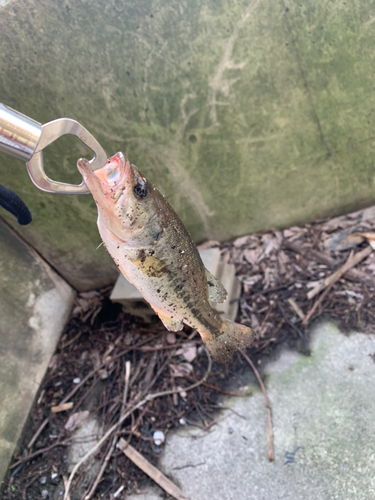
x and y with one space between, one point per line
351 262
271 455
149 397
154 473
315 255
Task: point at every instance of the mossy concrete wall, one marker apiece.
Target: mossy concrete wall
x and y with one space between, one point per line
246 114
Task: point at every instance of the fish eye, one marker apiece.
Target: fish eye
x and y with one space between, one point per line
140 190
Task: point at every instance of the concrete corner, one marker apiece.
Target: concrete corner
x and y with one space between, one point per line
35 304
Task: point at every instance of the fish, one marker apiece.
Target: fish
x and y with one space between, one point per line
154 251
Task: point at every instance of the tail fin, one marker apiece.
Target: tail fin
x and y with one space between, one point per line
231 337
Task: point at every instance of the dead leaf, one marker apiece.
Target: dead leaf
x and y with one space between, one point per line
343 240
252 256
251 280
293 233
282 259
241 242
76 420
181 370
188 351
338 222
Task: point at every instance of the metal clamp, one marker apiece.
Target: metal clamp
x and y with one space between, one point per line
25 139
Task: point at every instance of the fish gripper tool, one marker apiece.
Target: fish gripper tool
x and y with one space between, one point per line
24 139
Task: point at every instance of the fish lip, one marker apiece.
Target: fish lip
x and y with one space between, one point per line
99 178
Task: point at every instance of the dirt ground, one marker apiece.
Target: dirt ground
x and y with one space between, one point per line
108 362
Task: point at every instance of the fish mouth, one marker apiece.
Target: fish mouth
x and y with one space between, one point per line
107 178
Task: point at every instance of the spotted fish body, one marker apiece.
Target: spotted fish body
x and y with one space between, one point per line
154 251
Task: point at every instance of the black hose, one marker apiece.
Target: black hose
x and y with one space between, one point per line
13 203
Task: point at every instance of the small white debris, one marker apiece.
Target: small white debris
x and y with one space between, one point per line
77 380
158 437
117 493
103 374
44 493
171 338
182 421
182 393
54 475
43 480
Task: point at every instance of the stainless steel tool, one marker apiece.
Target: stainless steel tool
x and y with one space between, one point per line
24 139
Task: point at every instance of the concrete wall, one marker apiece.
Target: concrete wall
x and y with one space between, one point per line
246 114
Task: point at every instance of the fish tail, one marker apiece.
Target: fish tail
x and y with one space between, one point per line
230 338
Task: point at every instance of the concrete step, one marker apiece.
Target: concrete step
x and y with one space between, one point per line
35 304
126 294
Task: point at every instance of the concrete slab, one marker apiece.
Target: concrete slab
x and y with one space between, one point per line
324 421
35 304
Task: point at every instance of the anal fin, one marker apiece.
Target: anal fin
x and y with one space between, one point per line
171 324
216 291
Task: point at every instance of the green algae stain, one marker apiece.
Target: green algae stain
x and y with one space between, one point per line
243 121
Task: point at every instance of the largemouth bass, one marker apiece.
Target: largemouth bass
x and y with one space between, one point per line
154 251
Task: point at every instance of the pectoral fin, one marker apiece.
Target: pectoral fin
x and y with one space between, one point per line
216 291
171 324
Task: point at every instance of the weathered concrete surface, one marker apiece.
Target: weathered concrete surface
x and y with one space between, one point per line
323 404
34 306
246 114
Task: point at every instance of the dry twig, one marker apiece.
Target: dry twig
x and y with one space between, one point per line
351 262
150 470
296 308
271 455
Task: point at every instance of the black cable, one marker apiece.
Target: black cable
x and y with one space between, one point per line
13 203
